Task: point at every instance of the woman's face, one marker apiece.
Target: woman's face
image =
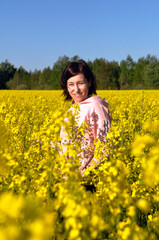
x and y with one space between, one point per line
78 87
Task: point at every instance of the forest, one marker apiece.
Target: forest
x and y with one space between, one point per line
128 74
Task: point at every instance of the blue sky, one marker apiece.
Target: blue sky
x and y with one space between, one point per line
35 33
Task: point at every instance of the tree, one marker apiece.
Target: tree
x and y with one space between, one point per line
34 79
75 58
44 78
106 73
127 68
142 63
7 71
99 70
24 75
138 81
15 81
123 78
57 71
113 75
151 75
21 77
151 59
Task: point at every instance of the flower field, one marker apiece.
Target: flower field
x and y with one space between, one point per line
42 194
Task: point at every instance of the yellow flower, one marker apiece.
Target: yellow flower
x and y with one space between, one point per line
37 167
11 205
143 205
74 233
126 233
131 211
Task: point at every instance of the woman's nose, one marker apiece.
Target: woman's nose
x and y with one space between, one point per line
76 88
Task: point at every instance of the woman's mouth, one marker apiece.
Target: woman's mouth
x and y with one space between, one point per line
77 95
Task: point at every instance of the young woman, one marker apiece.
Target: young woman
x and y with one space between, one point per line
78 84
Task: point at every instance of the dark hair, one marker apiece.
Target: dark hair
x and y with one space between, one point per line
73 69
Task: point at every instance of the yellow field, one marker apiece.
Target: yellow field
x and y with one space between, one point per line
42 195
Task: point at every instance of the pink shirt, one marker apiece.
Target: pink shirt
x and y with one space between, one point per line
94 111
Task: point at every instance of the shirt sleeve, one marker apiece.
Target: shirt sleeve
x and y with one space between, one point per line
100 121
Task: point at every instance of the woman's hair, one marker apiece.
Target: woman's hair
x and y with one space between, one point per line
73 69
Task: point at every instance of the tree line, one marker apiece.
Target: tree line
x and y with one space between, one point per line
128 74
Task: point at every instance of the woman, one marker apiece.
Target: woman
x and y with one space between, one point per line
78 83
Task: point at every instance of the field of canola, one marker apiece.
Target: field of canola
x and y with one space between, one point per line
42 196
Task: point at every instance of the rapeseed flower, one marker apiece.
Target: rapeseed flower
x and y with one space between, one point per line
125 201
